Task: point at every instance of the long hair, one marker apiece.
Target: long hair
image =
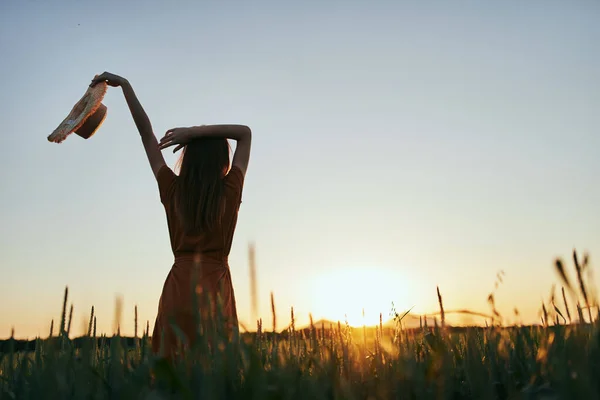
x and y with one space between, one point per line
199 194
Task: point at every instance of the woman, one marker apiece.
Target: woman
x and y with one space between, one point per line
201 205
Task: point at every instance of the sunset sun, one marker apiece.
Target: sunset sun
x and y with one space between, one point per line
343 294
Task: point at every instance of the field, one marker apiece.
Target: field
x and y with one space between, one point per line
557 359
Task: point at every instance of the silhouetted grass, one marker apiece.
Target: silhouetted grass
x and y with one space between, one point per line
558 359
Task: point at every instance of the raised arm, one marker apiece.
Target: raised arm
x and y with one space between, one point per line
142 122
240 133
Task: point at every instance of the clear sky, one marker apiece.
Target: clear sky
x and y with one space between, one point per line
397 146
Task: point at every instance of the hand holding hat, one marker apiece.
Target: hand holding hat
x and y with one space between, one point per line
110 79
86 116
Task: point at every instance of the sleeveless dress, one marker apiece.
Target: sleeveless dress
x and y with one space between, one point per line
200 265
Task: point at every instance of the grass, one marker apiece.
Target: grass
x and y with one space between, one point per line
558 359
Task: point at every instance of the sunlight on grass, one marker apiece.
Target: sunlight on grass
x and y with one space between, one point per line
559 358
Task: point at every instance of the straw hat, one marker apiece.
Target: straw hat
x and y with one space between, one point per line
86 116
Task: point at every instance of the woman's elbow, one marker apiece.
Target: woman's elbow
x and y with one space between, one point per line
247 132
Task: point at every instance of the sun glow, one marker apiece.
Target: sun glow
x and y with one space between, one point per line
343 294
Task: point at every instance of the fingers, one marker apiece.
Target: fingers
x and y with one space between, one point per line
169 144
111 79
167 137
98 78
171 138
171 131
163 145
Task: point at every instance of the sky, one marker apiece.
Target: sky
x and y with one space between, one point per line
397 146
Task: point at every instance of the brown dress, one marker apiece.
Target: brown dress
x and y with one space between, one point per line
200 261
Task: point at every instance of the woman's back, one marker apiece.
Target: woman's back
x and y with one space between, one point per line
200 262
214 244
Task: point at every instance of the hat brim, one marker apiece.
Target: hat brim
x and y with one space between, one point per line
83 109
